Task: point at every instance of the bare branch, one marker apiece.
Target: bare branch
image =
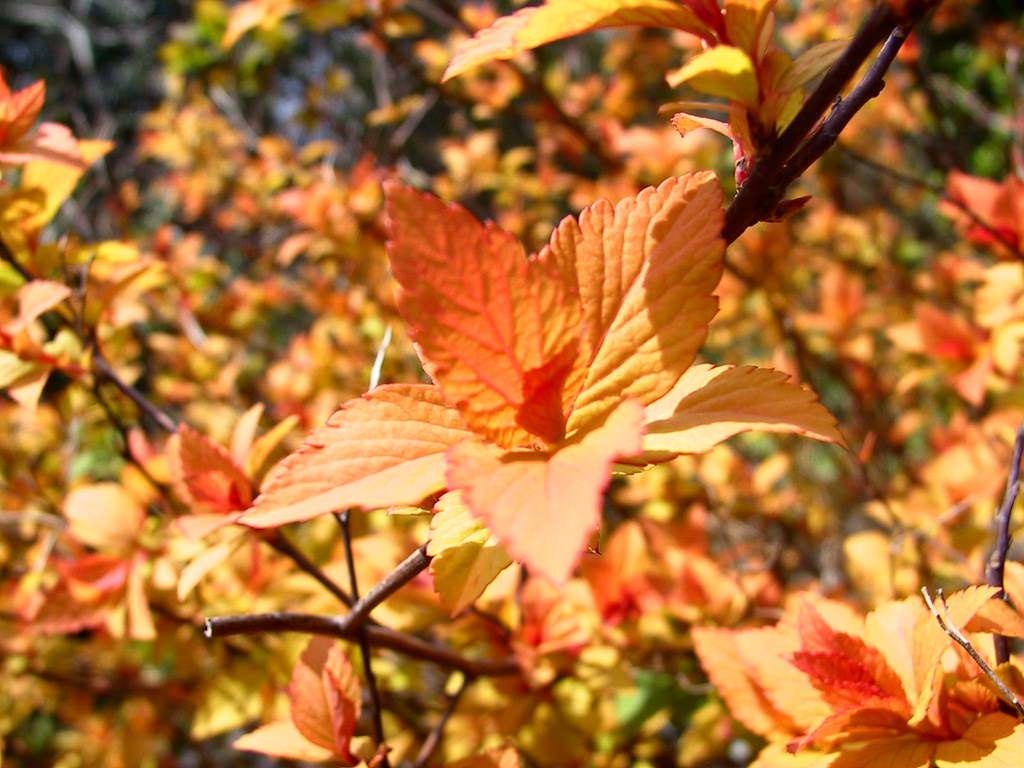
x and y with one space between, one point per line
283 545
380 637
433 740
996 567
773 172
364 644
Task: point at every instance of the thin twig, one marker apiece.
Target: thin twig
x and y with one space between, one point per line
284 546
433 740
105 370
380 637
364 643
868 88
1004 238
996 567
402 574
941 616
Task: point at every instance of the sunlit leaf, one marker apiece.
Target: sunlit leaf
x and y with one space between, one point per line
384 449
544 506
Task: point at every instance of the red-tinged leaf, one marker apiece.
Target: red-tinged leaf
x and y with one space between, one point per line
51 143
711 404
543 506
282 739
849 672
19 110
618 576
532 27
645 270
205 475
384 449
324 696
34 299
104 516
95 577
495 329
62 613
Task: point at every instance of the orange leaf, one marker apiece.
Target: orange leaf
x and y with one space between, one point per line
383 449
645 270
325 699
532 27
104 516
19 109
722 660
204 474
992 741
996 617
495 329
543 506
711 404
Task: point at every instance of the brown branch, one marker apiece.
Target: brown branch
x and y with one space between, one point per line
277 540
380 637
940 613
996 566
758 198
403 573
364 644
103 369
433 740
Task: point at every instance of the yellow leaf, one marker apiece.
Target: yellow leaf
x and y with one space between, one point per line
744 22
266 443
868 558
532 27
203 563
466 557
811 63
57 181
992 741
723 71
384 449
711 404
